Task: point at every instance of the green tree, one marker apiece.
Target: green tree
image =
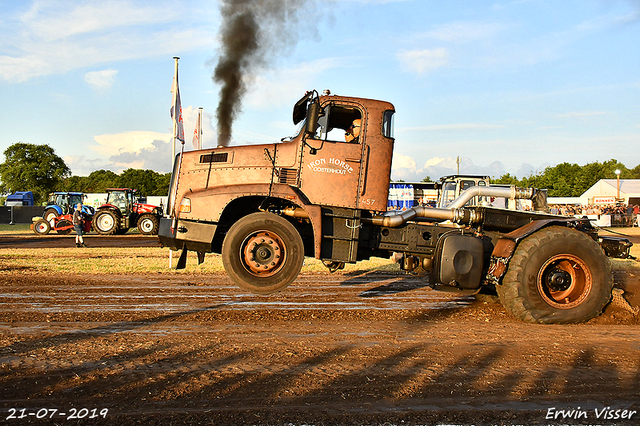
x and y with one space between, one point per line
162 184
506 180
73 184
426 179
141 180
29 167
100 180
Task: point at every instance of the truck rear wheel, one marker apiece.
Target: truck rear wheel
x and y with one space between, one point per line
556 275
105 222
148 224
262 253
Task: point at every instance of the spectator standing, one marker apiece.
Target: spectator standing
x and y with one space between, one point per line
78 224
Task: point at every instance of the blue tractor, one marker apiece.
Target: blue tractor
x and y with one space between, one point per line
61 203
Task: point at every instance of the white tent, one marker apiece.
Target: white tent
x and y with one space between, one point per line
605 191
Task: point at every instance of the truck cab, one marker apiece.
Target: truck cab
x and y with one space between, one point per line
450 187
298 177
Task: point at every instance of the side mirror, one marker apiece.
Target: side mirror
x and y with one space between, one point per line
313 113
300 108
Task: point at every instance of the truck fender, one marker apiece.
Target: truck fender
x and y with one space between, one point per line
225 196
506 245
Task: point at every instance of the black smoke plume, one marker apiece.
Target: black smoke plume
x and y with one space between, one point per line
253 33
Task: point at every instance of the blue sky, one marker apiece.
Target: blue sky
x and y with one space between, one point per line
507 86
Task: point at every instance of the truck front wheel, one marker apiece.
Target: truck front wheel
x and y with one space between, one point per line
556 275
262 253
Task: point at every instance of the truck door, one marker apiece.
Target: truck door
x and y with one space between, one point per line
331 166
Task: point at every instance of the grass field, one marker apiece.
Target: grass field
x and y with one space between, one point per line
142 260
14 229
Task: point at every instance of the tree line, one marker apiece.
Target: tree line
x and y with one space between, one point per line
37 168
566 179
571 180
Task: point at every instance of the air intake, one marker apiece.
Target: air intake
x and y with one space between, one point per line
223 157
288 176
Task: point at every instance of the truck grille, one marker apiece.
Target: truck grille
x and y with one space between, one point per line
222 157
288 176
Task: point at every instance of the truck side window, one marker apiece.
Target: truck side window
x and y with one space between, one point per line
336 121
387 124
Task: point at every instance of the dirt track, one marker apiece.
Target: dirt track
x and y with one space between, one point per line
352 349
92 240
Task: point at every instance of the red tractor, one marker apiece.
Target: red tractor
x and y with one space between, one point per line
62 224
122 211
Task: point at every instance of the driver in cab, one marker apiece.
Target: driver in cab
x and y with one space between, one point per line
352 135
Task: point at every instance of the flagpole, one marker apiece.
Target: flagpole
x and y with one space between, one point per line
175 122
173 139
200 128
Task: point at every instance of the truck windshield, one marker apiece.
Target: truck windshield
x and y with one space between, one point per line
448 194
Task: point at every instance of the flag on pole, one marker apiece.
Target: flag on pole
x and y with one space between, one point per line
176 111
197 142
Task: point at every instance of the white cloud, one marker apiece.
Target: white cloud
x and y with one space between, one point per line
143 149
127 142
421 61
100 80
54 37
403 162
52 20
157 157
404 167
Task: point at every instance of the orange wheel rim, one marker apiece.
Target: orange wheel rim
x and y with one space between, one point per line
564 281
263 254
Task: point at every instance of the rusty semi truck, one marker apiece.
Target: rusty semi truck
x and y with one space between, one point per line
323 193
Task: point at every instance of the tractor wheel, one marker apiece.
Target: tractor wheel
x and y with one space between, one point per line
105 222
262 253
148 224
41 227
49 214
63 223
556 275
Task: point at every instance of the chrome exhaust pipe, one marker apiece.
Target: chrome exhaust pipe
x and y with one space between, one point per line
455 213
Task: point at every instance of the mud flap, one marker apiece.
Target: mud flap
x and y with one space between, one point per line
200 257
182 262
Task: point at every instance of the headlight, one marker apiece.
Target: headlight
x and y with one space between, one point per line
185 206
